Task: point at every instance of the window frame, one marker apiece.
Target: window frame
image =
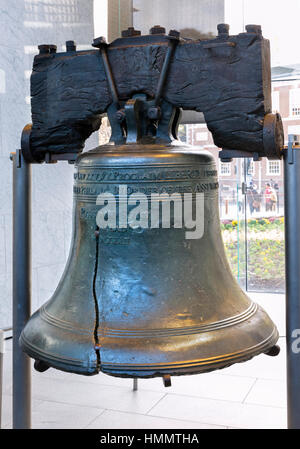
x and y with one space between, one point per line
270 162
223 164
293 104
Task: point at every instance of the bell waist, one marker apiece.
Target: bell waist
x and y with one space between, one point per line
151 333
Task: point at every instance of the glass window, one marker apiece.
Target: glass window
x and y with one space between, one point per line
251 168
264 187
201 136
273 168
294 102
224 168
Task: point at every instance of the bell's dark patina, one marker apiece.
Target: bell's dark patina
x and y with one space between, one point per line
146 302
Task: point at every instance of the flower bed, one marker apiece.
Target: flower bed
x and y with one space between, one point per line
255 224
265 251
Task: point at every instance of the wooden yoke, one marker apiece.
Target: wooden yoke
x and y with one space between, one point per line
227 78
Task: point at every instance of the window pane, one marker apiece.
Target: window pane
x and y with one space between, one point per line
273 167
294 102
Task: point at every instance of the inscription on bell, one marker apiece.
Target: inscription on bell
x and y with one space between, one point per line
165 188
142 175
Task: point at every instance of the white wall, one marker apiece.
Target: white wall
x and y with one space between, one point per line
25 24
201 15
279 20
100 18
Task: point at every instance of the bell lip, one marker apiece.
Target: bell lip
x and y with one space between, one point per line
70 365
198 366
152 370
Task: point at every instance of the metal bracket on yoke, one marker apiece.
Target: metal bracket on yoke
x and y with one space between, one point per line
226 155
128 119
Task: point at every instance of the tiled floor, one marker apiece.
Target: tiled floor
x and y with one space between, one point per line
247 395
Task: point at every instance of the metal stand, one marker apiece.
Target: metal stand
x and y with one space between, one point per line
292 248
21 288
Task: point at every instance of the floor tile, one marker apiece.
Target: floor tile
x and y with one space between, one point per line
98 379
268 392
213 386
89 395
220 412
52 415
118 420
7 372
208 385
7 410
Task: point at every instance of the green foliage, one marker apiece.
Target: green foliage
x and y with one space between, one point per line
255 224
265 251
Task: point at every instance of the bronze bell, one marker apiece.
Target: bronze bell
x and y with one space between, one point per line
144 302
144 293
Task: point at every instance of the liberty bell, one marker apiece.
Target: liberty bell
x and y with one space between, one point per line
147 290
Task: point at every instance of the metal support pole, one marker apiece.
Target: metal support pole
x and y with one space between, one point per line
1 372
21 288
292 248
135 384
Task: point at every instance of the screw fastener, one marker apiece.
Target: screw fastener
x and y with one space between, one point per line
130 32
174 34
98 42
223 30
157 29
256 29
70 46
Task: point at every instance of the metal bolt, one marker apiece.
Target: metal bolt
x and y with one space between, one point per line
130 32
223 30
274 351
52 48
254 29
120 115
99 42
167 380
157 29
154 113
70 46
44 49
174 34
41 366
